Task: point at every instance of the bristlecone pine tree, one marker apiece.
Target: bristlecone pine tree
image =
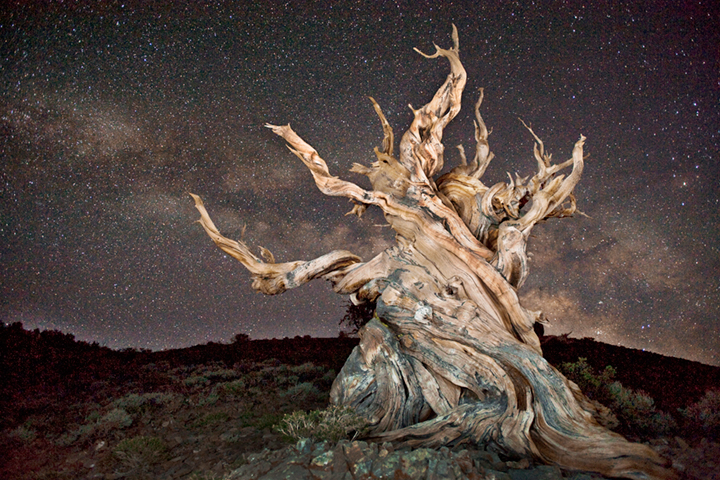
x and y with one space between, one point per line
451 356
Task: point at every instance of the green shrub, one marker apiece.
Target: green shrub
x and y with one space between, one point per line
592 385
67 439
211 399
24 434
705 414
308 371
332 424
222 374
235 387
93 416
139 453
268 420
635 410
116 418
136 404
211 419
196 380
327 379
303 391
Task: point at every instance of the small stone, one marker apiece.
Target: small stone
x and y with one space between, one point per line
496 474
682 443
541 472
354 451
288 472
321 447
520 464
323 461
362 468
463 460
489 460
304 445
580 476
439 469
253 470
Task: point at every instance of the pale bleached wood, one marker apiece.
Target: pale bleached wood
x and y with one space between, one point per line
451 356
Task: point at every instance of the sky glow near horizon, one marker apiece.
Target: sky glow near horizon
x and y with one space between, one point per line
111 113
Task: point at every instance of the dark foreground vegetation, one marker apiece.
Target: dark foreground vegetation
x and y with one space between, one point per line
70 409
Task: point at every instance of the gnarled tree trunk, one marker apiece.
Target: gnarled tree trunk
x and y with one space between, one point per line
451 356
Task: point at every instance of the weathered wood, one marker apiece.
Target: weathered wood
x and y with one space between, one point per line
451 356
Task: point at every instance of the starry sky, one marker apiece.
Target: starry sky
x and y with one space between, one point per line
112 112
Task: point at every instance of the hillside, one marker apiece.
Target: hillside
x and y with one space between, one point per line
71 409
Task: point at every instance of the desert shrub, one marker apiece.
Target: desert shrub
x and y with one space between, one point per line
704 415
196 380
83 433
67 439
308 371
23 433
138 453
268 420
116 418
327 379
246 419
136 404
303 391
211 419
93 416
634 409
592 385
332 424
211 399
637 410
235 387
222 374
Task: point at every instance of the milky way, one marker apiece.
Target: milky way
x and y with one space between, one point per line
111 113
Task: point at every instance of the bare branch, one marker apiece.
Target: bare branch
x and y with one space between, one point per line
388 138
421 149
272 278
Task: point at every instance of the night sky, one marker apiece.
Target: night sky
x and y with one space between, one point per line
112 112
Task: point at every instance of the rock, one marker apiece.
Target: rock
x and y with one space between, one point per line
519 465
581 476
682 443
540 472
251 471
489 460
288 472
359 460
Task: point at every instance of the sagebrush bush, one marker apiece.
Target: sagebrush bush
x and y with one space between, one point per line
332 424
138 453
116 418
136 404
635 410
196 380
235 387
592 385
705 414
303 391
24 434
211 419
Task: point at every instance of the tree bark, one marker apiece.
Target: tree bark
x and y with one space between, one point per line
451 356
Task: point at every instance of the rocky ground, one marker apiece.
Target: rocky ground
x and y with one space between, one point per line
214 422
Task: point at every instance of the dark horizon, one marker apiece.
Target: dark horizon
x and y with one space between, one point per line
112 113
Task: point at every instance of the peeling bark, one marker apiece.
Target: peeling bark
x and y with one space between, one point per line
451 356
